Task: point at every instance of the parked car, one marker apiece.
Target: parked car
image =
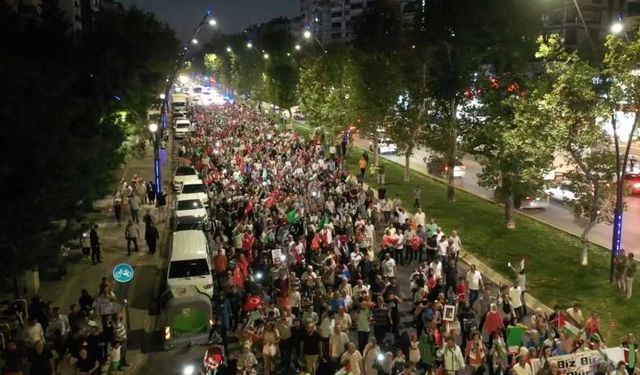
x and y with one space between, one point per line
438 167
633 183
536 200
182 174
190 207
195 189
563 192
385 146
183 127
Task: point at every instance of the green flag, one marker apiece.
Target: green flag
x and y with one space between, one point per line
514 338
324 222
293 216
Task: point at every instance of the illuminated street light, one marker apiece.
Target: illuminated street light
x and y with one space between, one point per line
153 127
266 56
162 96
213 22
229 49
194 41
307 34
617 28
249 45
297 47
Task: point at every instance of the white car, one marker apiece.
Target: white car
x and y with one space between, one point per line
385 146
562 192
184 173
183 127
536 200
185 206
194 189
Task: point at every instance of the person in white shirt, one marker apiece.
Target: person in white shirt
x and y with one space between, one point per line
515 295
452 357
327 325
337 344
436 265
419 217
343 319
353 357
370 233
388 266
474 284
522 367
33 332
358 289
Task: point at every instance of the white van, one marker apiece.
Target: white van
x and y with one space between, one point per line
190 264
183 127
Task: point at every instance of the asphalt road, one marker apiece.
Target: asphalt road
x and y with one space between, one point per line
556 214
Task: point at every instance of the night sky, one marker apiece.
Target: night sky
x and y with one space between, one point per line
232 15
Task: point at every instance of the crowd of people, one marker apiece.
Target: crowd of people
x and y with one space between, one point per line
307 260
92 335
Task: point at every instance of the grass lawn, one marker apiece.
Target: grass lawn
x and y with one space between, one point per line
554 274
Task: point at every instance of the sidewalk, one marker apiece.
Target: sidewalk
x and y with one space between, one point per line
147 268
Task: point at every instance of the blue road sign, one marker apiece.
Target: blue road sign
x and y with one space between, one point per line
123 273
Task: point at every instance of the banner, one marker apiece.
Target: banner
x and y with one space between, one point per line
583 363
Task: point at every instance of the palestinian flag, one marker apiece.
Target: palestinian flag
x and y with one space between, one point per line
514 338
323 222
565 326
293 217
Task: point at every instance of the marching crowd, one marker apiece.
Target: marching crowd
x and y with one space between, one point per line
307 258
317 273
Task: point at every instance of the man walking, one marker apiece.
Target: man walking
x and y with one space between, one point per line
630 269
417 194
474 284
134 204
131 233
94 241
151 235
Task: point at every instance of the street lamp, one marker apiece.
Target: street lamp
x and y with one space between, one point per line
229 49
194 41
249 45
213 22
266 56
297 47
162 96
617 27
153 128
307 34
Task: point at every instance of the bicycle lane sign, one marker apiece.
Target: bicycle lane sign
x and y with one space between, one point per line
123 273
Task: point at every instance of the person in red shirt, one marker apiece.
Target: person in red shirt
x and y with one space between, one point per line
461 290
247 245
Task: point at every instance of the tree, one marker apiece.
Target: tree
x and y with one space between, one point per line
282 83
495 33
326 90
572 106
622 58
512 145
220 67
62 152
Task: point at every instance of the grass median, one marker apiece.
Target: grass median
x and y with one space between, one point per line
554 273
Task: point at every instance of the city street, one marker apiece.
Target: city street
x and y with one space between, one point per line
557 214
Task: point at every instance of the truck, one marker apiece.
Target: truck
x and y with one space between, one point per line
179 102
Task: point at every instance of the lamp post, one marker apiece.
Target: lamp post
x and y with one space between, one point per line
153 128
206 20
307 34
621 170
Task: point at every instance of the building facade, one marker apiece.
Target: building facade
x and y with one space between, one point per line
333 20
564 19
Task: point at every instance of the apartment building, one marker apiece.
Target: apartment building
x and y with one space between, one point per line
598 15
333 20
